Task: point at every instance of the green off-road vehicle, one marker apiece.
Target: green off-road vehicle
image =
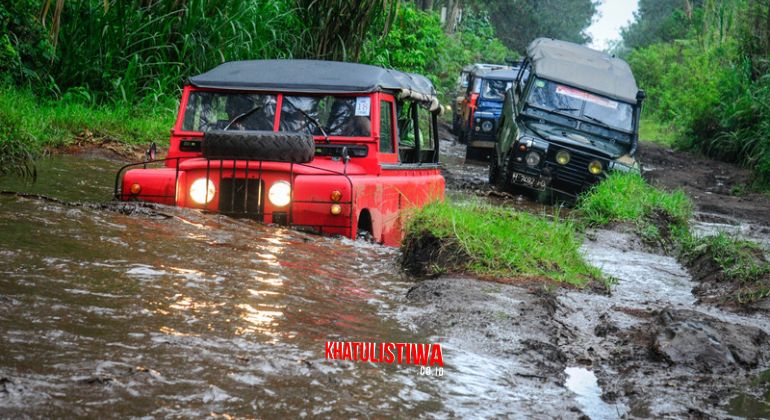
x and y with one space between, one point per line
571 117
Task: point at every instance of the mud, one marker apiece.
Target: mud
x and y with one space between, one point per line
655 347
106 313
715 187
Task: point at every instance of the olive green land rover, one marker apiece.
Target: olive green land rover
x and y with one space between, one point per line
571 117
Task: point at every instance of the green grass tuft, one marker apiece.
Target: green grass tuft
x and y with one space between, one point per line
627 197
505 243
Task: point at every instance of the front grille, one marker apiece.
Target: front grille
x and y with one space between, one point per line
241 196
575 173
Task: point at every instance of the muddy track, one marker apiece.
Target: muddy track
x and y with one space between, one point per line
715 187
650 349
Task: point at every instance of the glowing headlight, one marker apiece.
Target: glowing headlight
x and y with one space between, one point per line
595 167
533 159
202 193
487 126
280 193
562 157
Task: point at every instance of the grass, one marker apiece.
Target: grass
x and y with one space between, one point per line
38 123
740 262
627 197
504 243
655 131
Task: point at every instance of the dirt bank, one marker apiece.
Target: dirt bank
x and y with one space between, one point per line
717 188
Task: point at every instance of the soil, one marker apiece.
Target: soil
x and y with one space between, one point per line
653 348
715 187
88 143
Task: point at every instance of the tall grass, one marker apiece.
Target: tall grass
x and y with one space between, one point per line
142 50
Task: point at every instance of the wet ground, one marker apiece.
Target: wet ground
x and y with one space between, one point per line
170 312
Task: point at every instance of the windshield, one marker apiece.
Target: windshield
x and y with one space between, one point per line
344 116
495 89
579 103
206 111
338 115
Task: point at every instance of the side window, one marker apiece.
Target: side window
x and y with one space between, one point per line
425 131
407 146
386 127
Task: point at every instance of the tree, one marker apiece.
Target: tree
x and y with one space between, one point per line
518 22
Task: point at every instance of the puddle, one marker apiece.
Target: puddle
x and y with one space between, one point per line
584 384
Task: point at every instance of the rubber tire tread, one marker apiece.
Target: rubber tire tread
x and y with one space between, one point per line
259 145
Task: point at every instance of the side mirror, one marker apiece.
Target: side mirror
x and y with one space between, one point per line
151 152
640 96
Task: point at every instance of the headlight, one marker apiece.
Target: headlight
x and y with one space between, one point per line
533 159
562 157
487 126
280 193
202 191
595 167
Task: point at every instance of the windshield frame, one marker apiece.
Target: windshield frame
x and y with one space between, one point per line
579 118
508 86
189 90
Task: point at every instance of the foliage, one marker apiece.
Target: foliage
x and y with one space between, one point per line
518 22
657 21
351 20
506 243
25 48
417 43
29 124
713 86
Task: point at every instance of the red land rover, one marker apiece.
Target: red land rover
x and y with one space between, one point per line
334 148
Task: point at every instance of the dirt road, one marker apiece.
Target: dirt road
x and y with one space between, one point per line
647 350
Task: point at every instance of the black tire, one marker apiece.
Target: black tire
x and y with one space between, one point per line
259 145
503 182
455 124
494 170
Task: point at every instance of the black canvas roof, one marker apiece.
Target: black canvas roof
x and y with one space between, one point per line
311 76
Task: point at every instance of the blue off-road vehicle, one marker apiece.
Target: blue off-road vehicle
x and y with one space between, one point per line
479 131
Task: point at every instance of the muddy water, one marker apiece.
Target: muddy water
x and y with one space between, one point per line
189 314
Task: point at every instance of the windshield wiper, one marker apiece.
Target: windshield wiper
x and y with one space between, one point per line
598 121
553 110
242 116
312 119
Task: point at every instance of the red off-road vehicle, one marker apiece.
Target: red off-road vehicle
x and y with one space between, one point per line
329 147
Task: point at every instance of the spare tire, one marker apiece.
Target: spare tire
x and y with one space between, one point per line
259 145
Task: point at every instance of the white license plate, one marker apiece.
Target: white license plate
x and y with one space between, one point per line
529 181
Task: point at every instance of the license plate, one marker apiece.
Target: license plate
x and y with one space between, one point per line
529 181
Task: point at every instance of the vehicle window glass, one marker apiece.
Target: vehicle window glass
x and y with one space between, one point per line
338 115
425 131
476 85
405 126
577 102
464 79
206 111
495 89
386 127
